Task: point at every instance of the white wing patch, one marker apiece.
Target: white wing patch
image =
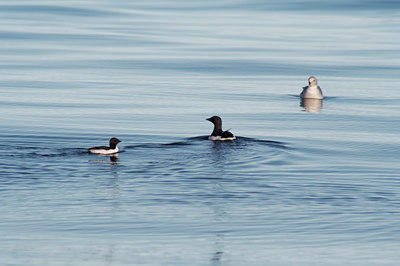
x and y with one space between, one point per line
220 138
104 151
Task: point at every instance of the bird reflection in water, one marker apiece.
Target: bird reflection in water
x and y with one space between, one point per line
113 159
311 105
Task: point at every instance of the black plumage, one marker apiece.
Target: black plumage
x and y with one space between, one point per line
218 132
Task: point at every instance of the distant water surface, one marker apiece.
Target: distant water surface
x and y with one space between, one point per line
304 183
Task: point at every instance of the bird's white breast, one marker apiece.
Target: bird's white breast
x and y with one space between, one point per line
313 92
104 151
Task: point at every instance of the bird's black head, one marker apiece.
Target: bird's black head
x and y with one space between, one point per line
114 142
215 120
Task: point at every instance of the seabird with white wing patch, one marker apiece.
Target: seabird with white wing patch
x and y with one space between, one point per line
218 133
112 149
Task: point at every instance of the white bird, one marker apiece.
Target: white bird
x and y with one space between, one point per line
312 91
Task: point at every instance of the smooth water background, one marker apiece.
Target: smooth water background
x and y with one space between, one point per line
300 185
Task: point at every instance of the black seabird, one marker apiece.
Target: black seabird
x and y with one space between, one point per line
218 133
112 149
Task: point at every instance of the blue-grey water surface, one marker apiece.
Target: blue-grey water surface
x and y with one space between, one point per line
314 183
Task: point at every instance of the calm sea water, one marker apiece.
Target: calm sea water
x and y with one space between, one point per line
304 184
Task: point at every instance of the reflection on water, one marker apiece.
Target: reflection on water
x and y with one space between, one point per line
311 105
220 149
112 159
217 256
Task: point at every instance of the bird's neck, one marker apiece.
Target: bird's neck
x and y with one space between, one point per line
217 130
